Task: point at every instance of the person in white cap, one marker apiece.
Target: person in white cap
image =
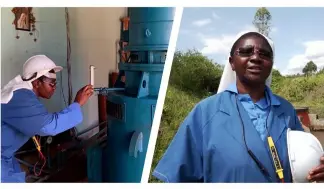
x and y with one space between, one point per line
24 116
239 134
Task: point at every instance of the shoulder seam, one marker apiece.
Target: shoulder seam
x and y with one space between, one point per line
211 117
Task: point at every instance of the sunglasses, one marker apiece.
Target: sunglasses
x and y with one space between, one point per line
250 50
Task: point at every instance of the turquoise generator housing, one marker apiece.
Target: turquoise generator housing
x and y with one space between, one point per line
130 111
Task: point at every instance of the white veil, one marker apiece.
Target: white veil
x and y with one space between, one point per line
229 76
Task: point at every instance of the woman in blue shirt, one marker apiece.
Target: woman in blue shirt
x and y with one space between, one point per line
23 115
225 137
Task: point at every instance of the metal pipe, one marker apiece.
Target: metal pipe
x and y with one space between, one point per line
100 138
89 129
106 89
25 151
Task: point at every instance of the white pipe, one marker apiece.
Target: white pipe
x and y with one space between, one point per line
92 75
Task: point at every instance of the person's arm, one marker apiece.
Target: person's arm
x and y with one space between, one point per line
182 161
62 121
28 115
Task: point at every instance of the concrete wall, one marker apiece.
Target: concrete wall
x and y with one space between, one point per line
51 42
93 36
94 33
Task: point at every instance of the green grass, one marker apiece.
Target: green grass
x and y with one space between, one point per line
303 91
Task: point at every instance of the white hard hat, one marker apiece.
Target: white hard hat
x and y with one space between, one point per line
304 151
41 65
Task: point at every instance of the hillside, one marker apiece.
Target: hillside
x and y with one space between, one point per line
302 91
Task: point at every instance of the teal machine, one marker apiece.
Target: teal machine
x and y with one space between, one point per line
131 104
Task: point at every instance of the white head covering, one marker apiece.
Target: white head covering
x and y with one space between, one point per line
39 64
229 76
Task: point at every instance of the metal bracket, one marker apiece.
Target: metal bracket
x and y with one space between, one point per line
148 33
136 144
143 88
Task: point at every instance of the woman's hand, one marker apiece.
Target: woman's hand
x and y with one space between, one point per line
84 94
317 173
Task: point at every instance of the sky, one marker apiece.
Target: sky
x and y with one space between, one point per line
297 33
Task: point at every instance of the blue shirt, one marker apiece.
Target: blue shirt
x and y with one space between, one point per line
23 117
209 147
259 111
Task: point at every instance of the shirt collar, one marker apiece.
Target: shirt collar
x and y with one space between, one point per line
274 100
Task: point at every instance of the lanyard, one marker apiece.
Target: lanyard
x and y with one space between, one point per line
272 147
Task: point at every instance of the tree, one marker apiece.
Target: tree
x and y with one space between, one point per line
276 80
310 68
192 71
262 19
276 73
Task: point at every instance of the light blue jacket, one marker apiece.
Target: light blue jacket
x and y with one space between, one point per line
23 117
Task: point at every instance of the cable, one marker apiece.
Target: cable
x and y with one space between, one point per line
273 150
68 64
274 154
62 91
42 157
37 143
68 53
255 159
